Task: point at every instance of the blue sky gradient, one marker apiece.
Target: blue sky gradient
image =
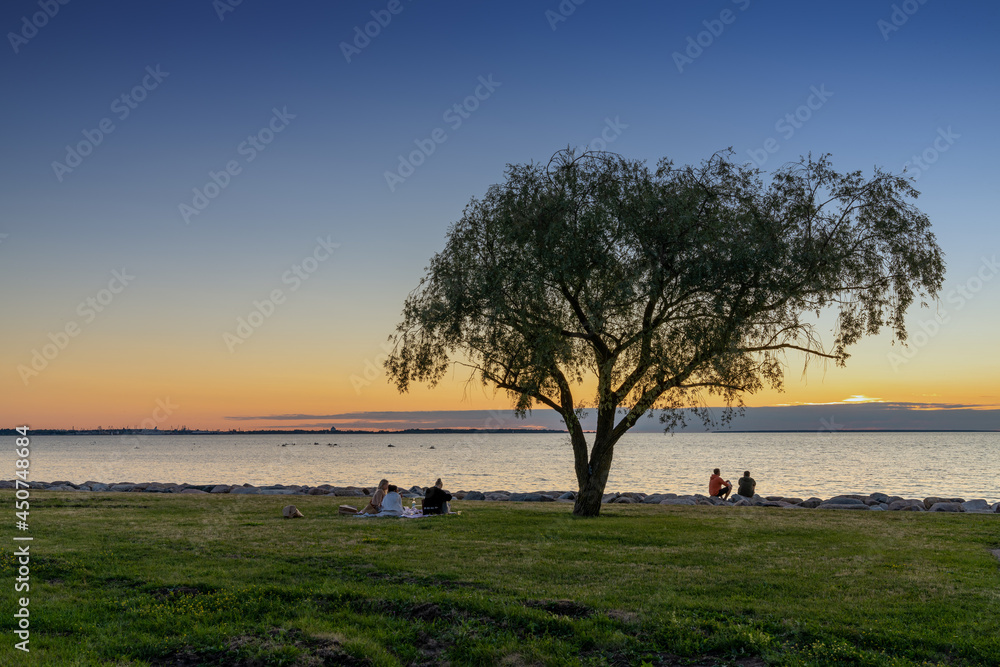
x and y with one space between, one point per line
887 95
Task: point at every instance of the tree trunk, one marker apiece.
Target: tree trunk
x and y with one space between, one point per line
588 499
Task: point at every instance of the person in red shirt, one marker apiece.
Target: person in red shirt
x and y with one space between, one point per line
717 486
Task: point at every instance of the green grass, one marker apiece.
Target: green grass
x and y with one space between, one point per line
157 579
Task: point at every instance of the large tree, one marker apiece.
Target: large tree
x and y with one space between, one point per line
665 286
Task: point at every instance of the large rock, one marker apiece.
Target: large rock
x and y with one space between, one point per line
843 503
530 498
917 507
879 497
220 488
498 495
122 487
933 500
63 487
608 497
899 505
946 507
978 505
743 502
7 484
569 495
844 500
278 492
194 491
97 486
624 500
654 499
678 501
245 491
475 495
349 491
318 491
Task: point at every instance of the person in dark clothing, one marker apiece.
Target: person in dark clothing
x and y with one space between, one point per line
747 485
436 499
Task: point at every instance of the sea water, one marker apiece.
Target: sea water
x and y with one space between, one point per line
823 464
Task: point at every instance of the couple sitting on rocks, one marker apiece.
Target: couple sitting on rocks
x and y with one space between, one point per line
720 488
387 502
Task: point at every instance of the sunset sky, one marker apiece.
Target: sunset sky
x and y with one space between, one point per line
170 168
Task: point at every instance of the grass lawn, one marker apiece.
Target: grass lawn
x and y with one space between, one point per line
164 579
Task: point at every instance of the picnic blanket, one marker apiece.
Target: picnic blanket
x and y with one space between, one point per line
408 513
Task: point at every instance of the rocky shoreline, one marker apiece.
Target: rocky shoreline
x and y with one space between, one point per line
870 502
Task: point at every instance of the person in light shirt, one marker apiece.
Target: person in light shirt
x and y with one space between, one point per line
374 505
392 505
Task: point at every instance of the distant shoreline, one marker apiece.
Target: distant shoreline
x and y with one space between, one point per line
327 432
453 431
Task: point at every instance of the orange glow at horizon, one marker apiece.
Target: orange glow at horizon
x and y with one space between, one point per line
123 382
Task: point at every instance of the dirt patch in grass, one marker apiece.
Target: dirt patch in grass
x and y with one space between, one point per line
561 607
426 612
256 650
431 651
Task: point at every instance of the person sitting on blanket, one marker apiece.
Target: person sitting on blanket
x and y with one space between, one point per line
374 505
436 499
392 505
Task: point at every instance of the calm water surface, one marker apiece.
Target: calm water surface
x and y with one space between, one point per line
796 464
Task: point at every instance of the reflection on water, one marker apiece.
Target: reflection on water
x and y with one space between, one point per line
791 464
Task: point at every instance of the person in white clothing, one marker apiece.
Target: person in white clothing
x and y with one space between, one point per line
392 504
